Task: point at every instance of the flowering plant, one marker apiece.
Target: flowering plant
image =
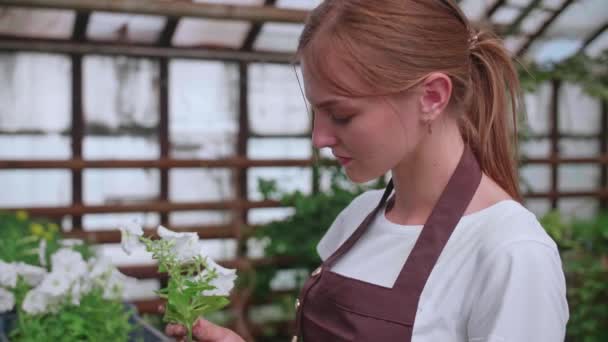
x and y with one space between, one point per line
58 288
75 300
196 286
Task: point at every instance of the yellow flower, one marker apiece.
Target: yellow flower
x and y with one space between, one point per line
53 228
37 229
21 215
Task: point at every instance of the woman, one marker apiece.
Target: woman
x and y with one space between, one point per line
451 254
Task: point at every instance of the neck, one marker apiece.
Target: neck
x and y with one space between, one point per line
420 179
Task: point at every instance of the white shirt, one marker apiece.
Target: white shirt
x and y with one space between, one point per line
498 279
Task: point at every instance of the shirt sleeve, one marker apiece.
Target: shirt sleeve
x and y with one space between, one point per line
521 296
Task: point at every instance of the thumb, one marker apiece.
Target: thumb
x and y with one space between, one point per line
205 331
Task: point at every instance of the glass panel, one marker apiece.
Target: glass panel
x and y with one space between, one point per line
276 105
130 93
35 146
35 93
287 180
271 148
197 185
579 113
120 186
535 178
578 177
125 27
25 188
204 109
278 37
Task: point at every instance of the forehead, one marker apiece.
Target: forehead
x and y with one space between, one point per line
327 73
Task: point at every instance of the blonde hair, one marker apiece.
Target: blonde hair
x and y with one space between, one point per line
393 44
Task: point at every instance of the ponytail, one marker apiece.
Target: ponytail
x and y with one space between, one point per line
489 125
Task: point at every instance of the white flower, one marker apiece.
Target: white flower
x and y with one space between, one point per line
223 283
36 302
8 274
185 246
42 252
32 275
130 235
69 262
71 242
76 293
114 287
56 284
100 267
7 300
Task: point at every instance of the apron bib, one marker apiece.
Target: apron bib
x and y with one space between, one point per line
334 308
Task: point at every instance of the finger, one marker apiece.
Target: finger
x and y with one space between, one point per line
161 309
175 330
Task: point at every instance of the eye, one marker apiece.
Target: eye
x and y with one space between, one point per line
340 120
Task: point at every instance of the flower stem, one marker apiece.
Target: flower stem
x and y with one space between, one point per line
189 334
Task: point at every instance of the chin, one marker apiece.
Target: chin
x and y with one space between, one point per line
361 178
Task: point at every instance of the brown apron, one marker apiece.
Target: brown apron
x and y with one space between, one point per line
334 308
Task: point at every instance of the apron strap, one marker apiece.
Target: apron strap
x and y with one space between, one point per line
345 247
436 232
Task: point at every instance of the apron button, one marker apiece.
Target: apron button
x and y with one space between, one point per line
316 271
297 303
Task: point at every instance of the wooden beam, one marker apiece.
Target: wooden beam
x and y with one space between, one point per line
77 133
151 271
149 206
490 12
254 31
171 9
554 153
140 50
593 37
79 33
162 163
163 132
544 27
515 24
113 235
166 36
604 150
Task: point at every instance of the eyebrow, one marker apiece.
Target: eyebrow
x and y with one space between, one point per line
328 103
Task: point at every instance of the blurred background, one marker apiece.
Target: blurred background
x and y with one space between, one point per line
188 114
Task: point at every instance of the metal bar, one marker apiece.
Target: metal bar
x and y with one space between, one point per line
171 9
140 50
78 164
77 133
151 206
163 133
543 27
554 132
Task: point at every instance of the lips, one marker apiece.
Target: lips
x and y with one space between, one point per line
342 160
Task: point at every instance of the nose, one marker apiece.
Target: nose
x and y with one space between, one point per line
322 132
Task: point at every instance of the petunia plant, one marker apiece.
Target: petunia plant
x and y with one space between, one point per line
196 285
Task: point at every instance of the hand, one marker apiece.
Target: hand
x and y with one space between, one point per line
203 331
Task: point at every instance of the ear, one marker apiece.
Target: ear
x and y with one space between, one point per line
436 93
